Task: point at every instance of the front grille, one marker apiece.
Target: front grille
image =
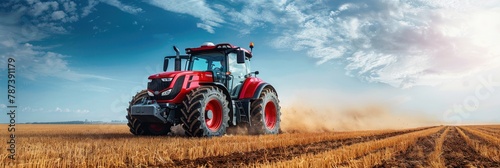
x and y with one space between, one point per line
158 85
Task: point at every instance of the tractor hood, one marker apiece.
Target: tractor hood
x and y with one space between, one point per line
173 86
165 75
202 75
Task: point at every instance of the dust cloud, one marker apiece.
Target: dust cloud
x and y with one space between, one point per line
319 111
312 116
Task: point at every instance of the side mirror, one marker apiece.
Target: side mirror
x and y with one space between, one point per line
165 64
240 58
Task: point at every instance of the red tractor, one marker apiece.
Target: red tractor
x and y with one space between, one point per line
215 91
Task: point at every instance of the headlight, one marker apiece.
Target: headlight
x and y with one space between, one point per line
150 93
150 80
166 92
166 79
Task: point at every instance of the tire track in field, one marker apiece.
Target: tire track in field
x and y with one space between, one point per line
416 155
457 153
280 153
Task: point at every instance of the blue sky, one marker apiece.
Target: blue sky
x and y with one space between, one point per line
85 59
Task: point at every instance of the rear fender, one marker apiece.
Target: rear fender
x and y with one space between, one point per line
252 88
261 88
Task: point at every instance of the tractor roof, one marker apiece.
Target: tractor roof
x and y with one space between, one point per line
207 47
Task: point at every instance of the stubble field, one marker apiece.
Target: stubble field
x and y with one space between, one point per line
114 146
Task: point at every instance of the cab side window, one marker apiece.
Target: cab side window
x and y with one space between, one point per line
238 73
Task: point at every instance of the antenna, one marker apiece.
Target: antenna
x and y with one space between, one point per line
176 50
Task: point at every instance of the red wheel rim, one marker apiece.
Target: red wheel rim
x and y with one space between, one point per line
156 127
213 115
270 113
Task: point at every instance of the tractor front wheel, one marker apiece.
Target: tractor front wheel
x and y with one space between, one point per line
205 112
142 128
265 113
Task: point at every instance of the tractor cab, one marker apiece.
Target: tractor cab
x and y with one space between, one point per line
229 64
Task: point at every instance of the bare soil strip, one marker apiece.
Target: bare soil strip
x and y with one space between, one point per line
484 144
457 153
435 159
279 153
416 155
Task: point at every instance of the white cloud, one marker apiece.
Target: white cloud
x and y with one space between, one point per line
89 8
197 9
81 111
277 14
43 16
345 7
206 27
70 9
31 1
8 43
58 15
40 64
401 43
115 3
14 31
123 7
17 33
50 28
38 8
69 6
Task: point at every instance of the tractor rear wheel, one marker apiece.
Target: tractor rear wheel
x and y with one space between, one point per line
142 128
265 113
205 112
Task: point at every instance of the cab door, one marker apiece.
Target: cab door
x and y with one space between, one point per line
237 75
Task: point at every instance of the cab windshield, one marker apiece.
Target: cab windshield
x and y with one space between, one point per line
208 62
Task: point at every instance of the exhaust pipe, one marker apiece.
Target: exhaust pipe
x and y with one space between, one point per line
177 59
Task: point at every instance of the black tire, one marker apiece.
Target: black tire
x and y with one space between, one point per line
142 128
205 112
265 113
